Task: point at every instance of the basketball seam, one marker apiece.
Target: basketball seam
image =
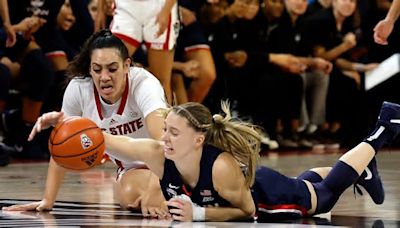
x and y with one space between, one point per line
76 155
56 129
55 144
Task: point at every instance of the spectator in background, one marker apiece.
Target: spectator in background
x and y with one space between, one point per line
42 52
333 35
230 38
301 93
317 5
33 80
192 44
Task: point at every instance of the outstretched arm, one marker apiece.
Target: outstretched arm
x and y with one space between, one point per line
125 148
384 27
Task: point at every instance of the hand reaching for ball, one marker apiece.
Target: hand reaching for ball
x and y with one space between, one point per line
45 121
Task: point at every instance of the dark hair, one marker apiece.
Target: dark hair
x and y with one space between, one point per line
80 65
239 138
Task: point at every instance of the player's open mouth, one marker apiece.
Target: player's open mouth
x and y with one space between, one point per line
168 150
107 89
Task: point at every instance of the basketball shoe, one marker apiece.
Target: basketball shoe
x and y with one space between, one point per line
387 126
389 117
387 129
371 182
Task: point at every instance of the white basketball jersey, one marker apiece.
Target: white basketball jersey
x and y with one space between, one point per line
143 94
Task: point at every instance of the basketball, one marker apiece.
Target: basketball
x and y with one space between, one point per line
77 143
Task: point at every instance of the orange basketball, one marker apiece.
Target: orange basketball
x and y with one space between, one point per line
77 143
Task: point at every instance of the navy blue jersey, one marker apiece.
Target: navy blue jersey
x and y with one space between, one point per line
203 193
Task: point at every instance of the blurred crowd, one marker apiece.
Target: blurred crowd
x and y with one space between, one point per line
294 67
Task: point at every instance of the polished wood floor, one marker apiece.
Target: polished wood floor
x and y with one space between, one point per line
86 199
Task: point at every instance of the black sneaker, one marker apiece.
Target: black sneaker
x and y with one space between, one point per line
389 117
286 143
12 126
371 182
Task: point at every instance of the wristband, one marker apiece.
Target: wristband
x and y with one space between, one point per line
198 213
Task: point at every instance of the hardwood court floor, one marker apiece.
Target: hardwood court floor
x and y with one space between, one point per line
86 199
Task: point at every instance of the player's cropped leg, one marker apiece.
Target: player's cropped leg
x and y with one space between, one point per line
353 163
200 86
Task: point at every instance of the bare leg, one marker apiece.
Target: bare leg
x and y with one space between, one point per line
131 49
199 87
178 86
160 64
130 189
30 110
359 157
352 164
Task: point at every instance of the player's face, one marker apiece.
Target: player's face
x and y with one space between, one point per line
180 139
109 72
345 8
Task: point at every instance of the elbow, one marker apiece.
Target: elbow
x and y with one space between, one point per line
250 211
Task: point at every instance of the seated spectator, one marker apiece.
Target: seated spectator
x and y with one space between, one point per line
332 33
192 44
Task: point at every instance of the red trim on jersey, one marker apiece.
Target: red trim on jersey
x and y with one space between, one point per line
55 54
197 47
123 101
166 44
127 39
186 191
119 164
98 104
124 97
282 208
